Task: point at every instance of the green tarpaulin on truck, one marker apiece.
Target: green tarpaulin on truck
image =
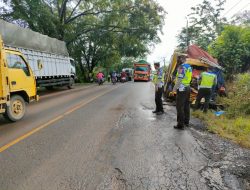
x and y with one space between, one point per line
142 62
15 36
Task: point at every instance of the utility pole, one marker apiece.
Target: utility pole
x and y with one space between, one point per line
187 32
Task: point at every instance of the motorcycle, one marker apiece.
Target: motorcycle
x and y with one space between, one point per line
114 80
100 81
123 79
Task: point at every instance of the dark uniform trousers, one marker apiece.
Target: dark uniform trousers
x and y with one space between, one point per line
183 107
206 93
158 99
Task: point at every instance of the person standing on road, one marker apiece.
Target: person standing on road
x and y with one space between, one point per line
158 81
207 80
182 87
109 77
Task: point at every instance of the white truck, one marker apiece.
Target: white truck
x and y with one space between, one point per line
47 57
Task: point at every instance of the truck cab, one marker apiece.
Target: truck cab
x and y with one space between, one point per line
17 84
142 71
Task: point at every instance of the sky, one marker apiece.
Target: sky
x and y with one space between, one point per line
176 19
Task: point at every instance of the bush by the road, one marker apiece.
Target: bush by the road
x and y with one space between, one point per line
238 100
232 49
235 123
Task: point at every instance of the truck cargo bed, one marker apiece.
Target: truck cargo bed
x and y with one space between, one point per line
53 65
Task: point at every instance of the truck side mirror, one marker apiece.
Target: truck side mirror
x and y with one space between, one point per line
39 64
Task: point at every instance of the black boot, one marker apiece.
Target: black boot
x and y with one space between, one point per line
179 127
160 112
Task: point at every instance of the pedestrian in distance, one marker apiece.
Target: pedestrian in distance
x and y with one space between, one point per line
207 80
182 89
91 77
109 77
158 80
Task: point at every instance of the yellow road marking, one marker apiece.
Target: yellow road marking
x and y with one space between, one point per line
3 148
82 104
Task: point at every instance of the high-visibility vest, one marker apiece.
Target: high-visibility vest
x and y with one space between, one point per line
207 80
185 72
158 77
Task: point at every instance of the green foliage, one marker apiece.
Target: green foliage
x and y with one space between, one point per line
97 32
232 49
98 69
238 100
237 129
127 62
204 26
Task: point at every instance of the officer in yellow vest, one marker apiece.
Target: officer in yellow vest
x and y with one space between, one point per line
158 80
207 81
182 87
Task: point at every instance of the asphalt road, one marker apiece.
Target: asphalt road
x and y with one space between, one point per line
100 137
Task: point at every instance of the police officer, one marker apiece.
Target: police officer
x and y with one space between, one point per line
207 81
158 80
182 87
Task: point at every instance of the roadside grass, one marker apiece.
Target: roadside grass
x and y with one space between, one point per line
237 130
234 124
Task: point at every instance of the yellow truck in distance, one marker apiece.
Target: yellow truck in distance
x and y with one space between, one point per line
17 84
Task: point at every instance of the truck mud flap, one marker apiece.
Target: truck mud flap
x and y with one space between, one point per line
2 107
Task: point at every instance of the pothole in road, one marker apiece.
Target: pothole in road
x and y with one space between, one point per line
147 109
125 119
114 180
117 108
151 118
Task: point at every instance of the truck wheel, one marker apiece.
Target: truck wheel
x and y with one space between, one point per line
16 110
71 83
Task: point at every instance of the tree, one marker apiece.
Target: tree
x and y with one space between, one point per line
128 35
97 32
187 36
205 24
242 18
232 49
